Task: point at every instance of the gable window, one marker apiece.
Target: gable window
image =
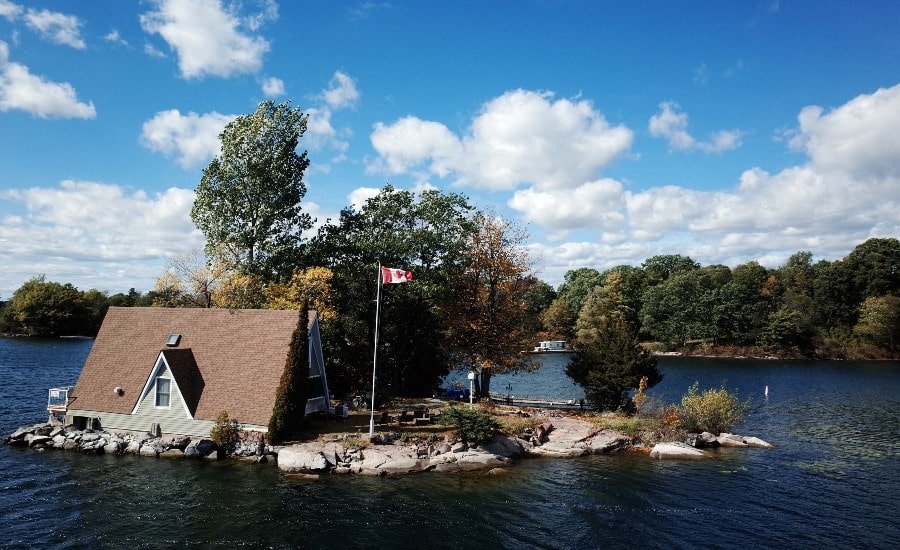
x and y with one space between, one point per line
163 392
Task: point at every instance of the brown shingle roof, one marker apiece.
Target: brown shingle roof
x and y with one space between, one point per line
187 375
239 356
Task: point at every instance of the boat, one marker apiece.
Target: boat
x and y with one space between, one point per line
552 346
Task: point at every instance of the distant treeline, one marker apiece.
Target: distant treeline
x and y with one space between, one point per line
46 308
843 308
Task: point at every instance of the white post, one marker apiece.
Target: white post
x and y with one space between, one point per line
471 388
375 356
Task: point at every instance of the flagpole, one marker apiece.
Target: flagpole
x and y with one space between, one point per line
375 355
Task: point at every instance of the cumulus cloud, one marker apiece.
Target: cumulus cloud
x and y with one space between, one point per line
210 39
94 234
521 137
671 124
56 27
848 191
858 137
10 11
193 139
22 91
341 92
273 87
596 204
358 197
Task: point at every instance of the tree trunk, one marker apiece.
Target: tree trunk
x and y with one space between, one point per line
484 390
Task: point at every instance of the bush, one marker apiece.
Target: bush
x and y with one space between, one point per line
714 410
473 425
225 432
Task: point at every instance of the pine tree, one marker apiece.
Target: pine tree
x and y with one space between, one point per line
611 362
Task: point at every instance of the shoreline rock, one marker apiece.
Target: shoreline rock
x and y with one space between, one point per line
558 437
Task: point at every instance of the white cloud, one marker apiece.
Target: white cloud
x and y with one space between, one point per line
593 204
113 37
273 87
411 141
56 27
208 38
152 51
859 137
192 138
9 10
20 90
364 9
94 234
519 138
671 124
341 92
358 197
848 191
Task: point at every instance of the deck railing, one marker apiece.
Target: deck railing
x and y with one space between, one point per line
58 399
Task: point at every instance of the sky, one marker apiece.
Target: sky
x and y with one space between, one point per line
613 131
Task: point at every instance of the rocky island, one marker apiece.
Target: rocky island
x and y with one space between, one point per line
562 436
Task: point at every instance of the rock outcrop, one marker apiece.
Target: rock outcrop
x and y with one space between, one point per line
676 450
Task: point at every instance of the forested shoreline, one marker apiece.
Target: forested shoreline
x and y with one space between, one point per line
474 302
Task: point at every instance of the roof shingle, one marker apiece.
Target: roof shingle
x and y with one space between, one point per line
227 360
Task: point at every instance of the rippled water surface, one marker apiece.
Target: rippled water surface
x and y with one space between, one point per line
834 478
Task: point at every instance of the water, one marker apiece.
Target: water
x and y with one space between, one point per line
833 480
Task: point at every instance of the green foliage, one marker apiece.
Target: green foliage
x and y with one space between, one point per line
225 432
577 285
679 309
879 321
248 200
559 319
473 425
660 268
45 308
713 410
293 389
610 363
428 234
786 329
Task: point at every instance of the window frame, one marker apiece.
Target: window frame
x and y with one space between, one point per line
168 394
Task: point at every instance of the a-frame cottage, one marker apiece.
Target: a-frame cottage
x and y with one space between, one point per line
174 370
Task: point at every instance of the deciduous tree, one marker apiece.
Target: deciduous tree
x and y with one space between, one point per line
249 198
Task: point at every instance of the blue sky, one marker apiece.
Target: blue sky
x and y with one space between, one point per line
614 130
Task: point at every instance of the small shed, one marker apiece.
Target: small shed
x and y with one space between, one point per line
173 370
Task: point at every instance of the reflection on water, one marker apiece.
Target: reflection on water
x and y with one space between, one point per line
832 480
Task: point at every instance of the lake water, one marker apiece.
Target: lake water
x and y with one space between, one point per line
834 478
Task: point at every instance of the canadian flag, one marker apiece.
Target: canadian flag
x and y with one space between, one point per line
390 275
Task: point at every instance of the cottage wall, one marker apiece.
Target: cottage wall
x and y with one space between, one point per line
173 420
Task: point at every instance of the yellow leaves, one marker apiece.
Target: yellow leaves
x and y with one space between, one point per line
312 286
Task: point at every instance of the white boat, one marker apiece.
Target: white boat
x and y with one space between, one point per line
552 346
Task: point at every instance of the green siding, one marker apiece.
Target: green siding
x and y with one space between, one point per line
173 420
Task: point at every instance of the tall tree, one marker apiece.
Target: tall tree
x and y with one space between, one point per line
609 361
248 200
427 233
491 313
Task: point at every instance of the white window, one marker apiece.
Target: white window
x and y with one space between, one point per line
163 392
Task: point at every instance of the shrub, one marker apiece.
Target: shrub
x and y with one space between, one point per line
518 425
473 425
714 410
225 432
